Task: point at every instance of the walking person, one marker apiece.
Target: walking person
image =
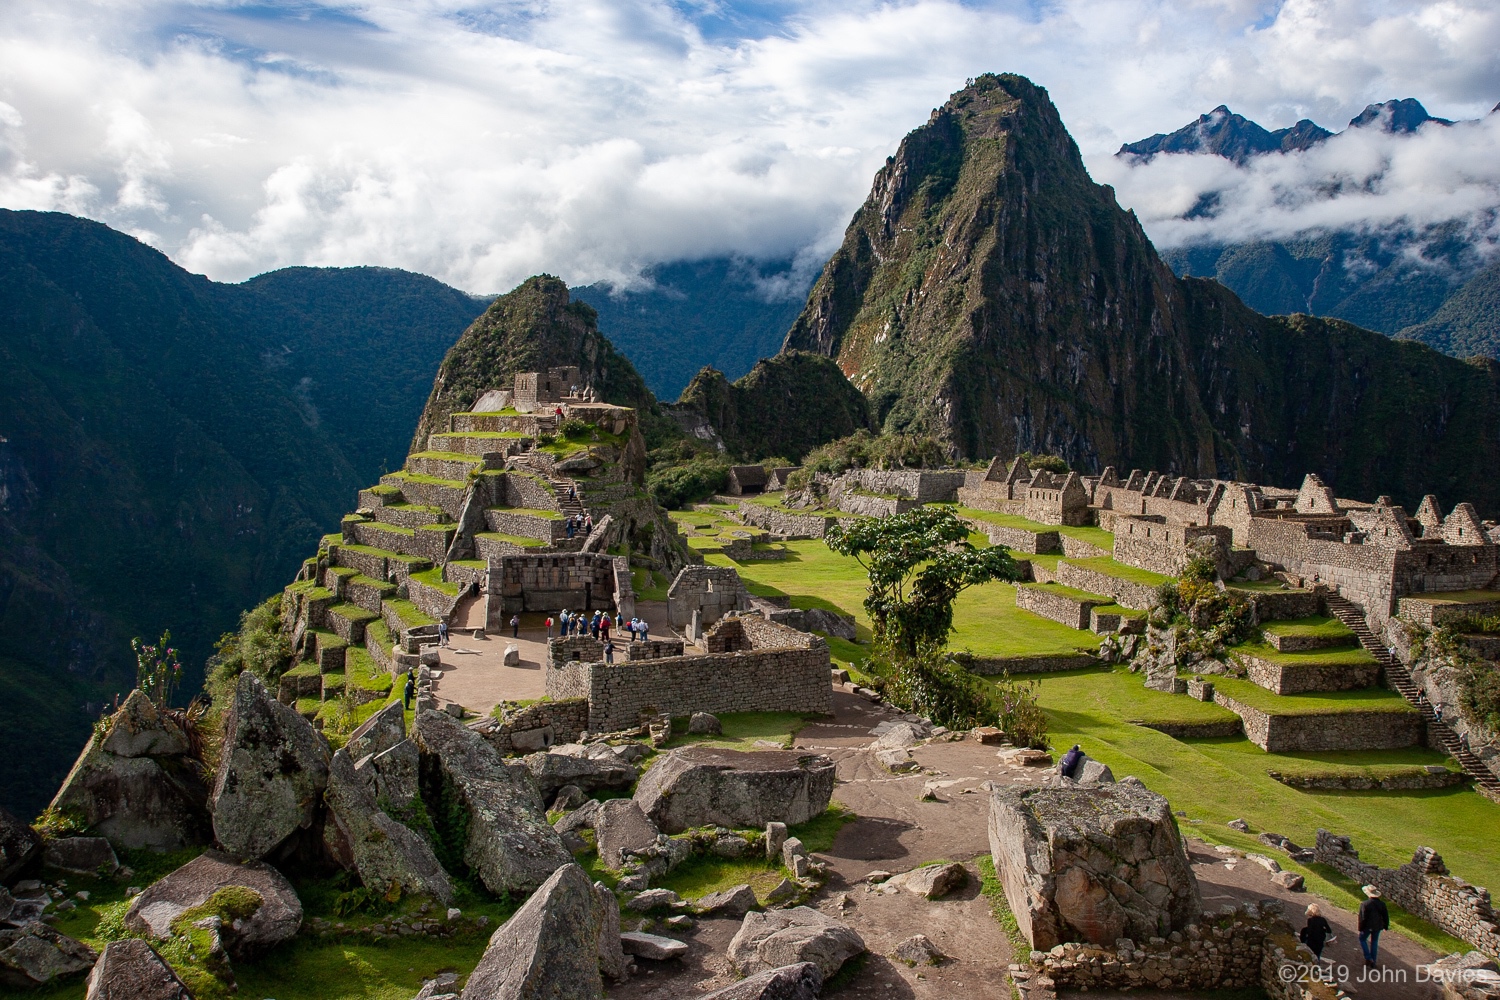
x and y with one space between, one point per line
515 626
562 620
442 633
549 628
609 652
604 627
409 692
1373 918
1317 933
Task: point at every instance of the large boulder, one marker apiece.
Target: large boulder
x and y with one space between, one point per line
82 855
378 733
554 770
612 961
36 954
1091 863
621 828
549 950
20 846
790 982
393 776
509 842
132 970
698 786
135 783
274 770
779 938
385 854
275 918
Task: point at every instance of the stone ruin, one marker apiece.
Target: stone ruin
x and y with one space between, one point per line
701 595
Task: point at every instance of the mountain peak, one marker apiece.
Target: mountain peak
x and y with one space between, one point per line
1405 115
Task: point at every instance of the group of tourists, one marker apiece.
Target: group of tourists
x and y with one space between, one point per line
580 524
1373 919
598 625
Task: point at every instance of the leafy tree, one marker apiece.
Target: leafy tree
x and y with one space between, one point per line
918 563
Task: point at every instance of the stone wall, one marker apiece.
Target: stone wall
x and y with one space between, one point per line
1127 593
1439 777
552 581
1283 605
1225 950
525 489
1424 888
1077 548
781 523
774 680
921 485
1161 547
651 649
711 591
1288 678
1074 612
1018 539
425 544
871 505
1431 614
431 601
1333 731
989 666
511 522
574 648
561 720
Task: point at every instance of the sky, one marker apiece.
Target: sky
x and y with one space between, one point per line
482 142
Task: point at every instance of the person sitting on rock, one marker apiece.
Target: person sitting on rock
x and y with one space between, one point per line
1071 762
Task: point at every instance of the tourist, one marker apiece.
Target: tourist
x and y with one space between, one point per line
562 620
645 628
549 628
573 492
1437 713
1373 918
442 633
604 627
515 626
588 524
1071 762
620 620
570 528
594 624
410 692
1317 933
609 653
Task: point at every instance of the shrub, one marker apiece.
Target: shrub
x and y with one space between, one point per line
259 646
863 450
575 428
933 683
679 485
1051 463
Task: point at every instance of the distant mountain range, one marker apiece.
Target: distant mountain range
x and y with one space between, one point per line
1425 283
171 447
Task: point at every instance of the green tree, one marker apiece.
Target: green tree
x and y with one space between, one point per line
918 563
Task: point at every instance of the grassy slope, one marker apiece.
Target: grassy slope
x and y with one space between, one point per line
1216 780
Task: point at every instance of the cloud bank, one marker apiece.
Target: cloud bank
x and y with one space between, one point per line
482 142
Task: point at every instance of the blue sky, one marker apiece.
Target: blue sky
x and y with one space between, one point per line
483 142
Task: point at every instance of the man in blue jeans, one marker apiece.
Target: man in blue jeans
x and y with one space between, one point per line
1373 918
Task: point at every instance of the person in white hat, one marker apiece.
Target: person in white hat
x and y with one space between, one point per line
1373 918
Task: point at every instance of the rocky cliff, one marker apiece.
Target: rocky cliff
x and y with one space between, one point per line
990 293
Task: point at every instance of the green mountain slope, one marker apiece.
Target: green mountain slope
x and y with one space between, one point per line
704 312
155 471
990 293
1468 323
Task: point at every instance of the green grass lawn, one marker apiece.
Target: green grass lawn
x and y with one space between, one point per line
1107 566
741 730
1457 597
521 540
1072 593
1216 780
649 586
1094 536
1314 627
1340 656
1312 703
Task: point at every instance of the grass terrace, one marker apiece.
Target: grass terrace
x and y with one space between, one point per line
1263 587
550 515
417 477
1108 566
353 612
1456 597
500 536
411 616
1337 656
361 669
374 553
483 435
446 456
649 585
1315 703
777 502
434 578
1072 593
1094 536
1315 627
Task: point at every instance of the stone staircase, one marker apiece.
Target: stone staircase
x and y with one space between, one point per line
561 487
1400 680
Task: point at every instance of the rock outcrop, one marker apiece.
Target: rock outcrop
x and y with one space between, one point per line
378 733
394 778
621 827
508 842
83 855
387 856
698 786
36 955
553 770
779 938
612 961
1091 863
792 982
136 784
548 949
274 770
20 846
276 917
132 970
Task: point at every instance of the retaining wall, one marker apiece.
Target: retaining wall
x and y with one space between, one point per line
1074 612
1127 593
782 523
1300 678
563 719
988 666
1017 539
1417 781
1332 731
1422 887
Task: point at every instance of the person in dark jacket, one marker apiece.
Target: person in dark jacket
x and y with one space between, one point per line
1071 762
1317 933
1373 918
410 692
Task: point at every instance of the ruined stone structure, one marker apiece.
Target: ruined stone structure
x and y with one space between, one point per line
746 479
763 667
701 595
482 513
1422 887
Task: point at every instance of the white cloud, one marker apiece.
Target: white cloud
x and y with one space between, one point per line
485 141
